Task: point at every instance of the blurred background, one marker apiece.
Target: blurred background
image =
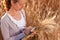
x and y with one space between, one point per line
38 14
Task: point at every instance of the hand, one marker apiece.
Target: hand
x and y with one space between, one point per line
33 34
28 29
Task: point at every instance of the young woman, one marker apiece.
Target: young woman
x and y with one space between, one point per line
13 23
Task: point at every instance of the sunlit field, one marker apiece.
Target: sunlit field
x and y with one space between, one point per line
45 16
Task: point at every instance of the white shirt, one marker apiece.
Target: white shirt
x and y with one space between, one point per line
22 22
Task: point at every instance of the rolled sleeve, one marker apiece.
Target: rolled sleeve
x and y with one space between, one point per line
6 35
20 36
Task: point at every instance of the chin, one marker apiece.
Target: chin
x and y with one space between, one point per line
21 8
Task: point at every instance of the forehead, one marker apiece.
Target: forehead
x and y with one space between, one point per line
22 1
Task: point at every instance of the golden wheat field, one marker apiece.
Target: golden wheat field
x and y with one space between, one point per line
45 16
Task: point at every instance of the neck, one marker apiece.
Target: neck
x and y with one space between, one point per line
12 11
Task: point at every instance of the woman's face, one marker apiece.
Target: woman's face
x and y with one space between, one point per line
19 5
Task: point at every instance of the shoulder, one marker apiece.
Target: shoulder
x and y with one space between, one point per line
4 17
23 11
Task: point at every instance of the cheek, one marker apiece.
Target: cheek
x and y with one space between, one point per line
19 7
16 7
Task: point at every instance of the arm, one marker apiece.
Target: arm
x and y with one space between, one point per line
6 35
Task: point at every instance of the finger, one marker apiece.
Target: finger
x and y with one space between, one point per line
32 35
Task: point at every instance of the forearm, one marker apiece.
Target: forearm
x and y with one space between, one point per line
19 36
